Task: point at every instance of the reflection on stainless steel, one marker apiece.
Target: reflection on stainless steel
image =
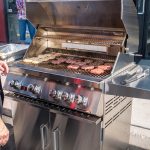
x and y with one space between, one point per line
44 136
78 113
135 85
11 52
136 77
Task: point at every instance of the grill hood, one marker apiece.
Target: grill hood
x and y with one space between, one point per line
108 14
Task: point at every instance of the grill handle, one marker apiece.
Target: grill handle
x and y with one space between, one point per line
44 136
55 138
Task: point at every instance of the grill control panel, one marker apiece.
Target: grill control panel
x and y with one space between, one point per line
71 95
70 98
18 85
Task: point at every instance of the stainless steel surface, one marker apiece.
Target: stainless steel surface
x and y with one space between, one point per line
117 124
135 85
85 99
109 41
55 134
11 52
76 13
54 108
27 121
69 133
81 115
73 134
66 132
130 20
44 136
82 12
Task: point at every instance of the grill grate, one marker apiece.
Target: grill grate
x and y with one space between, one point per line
79 71
95 57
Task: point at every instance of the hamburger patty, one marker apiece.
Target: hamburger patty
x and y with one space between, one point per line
97 71
75 67
87 67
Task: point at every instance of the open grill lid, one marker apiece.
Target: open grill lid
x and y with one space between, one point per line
108 14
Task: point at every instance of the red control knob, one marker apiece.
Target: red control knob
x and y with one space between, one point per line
73 105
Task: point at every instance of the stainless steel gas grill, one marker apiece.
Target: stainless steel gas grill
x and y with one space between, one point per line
59 93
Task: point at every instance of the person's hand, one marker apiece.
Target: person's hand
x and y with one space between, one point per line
3 68
4 133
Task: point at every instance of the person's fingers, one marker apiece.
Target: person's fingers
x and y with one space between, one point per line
4 136
0 141
7 138
4 140
6 69
1 69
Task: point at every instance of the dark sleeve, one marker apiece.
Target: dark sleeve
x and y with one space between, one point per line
1 92
1 98
1 108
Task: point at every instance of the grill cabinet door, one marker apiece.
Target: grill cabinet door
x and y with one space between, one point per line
31 125
71 134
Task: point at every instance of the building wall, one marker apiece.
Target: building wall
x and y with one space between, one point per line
3 37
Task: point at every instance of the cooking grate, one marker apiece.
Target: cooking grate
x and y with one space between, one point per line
80 55
83 54
63 67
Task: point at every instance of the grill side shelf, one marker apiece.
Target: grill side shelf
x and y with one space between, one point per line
130 83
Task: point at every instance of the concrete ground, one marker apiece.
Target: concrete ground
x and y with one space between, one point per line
140 125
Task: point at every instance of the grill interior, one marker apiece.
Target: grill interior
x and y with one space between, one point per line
84 40
80 55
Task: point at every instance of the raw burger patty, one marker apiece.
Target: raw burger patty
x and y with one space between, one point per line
87 67
97 71
61 60
55 62
75 67
105 67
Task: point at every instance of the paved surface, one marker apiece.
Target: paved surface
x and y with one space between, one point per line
140 129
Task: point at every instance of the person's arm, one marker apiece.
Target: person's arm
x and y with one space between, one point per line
3 68
4 133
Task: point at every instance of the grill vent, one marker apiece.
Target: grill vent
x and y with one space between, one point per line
110 121
114 102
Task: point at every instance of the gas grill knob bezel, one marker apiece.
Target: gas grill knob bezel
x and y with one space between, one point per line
59 94
15 84
65 96
30 88
37 89
85 101
79 99
53 93
71 97
33 88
